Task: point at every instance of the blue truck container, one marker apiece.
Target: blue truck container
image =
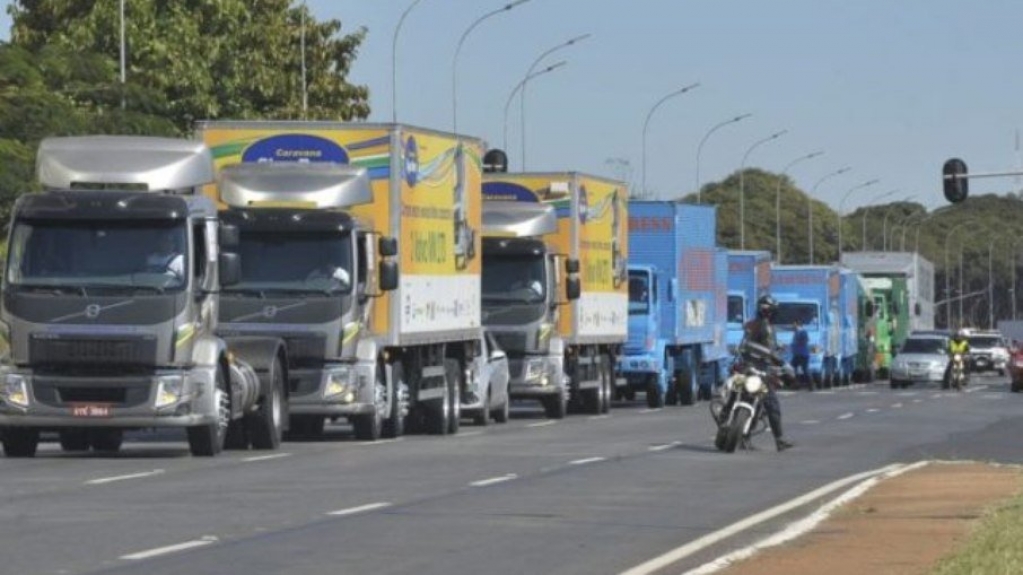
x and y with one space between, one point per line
675 348
811 295
749 277
851 292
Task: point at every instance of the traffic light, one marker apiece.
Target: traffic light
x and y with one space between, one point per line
955 181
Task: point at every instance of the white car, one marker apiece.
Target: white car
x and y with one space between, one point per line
922 358
486 392
988 352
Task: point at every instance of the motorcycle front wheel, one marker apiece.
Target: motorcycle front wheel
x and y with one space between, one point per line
733 433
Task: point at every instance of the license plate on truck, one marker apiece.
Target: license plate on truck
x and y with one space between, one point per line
90 410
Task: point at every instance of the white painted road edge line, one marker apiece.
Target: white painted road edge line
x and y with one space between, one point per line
809 422
679 553
209 540
664 447
265 457
587 460
103 480
493 480
359 509
542 423
845 416
802 526
873 410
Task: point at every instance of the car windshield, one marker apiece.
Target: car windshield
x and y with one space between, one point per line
736 309
985 341
295 262
513 279
112 255
930 345
639 293
790 313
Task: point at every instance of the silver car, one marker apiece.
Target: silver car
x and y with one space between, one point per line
922 358
486 394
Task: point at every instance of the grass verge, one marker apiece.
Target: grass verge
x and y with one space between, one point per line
995 546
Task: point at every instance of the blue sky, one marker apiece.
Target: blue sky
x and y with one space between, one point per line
891 89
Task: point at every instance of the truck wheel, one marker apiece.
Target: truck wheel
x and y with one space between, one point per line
438 413
208 440
370 426
654 396
265 426
684 385
454 376
72 440
482 418
555 406
20 441
395 424
607 383
106 440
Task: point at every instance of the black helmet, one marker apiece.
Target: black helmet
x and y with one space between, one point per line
766 306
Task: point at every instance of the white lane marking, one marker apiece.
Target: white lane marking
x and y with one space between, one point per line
359 509
826 392
493 480
992 396
664 447
810 422
918 400
802 526
907 394
845 416
975 389
896 405
657 563
103 480
868 393
542 423
597 417
209 540
381 441
469 433
654 410
587 460
873 410
265 457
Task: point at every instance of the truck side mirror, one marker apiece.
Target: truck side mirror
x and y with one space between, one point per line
388 276
572 266
388 246
229 268
572 288
228 235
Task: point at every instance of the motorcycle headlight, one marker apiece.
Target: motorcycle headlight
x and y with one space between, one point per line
957 357
536 370
339 384
754 384
15 390
170 390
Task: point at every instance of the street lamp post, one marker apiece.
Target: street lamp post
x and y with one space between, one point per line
394 61
866 208
903 223
646 124
522 99
458 50
699 150
809 204
841 206
884 222
522 86
742 184
916 235
777 201
948 293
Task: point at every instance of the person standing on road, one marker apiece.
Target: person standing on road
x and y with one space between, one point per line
801 354
760 331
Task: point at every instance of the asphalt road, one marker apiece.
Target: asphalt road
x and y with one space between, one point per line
585 495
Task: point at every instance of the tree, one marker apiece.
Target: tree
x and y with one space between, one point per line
228 59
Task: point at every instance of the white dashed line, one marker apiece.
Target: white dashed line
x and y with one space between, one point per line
542 424
868 393
104 480
469 433
907 394
896 405
170 549
381 441
654 410
359 509
873 410
918 400
265 457
664 447
587 460
493 480
809 422
845 416
598 417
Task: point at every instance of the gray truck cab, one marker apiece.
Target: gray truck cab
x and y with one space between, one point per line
109 308
309 271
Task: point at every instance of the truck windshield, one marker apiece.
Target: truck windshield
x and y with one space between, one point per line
118 254
290 261
789 313
736 309
639 293
513 279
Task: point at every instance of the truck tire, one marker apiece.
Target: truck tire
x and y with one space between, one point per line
106 440
555 406
208 440
265 426
438 413
654 395
607 383
74 440
20 441
454 376
395 424
684 385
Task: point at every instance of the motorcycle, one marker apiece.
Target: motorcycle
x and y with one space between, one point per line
958 375
739 410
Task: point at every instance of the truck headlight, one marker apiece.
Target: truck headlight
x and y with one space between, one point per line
15 390
339 384
536 371
170 390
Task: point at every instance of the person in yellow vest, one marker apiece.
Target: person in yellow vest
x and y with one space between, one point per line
958 344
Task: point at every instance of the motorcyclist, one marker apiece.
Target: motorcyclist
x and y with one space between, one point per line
760 331
961 345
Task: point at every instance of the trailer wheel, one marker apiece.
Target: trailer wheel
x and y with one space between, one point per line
72 440
208 440
106 440
438 412
20 441
398 403
607 382
265 426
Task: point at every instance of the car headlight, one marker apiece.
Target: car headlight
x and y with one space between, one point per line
536 370
339 384
170 390
15 390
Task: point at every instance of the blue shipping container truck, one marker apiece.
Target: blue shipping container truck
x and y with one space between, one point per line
851 291
811 295
749 277
675 349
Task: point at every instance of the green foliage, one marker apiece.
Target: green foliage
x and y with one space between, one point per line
993 546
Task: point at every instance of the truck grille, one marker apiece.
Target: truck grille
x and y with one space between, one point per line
58 391
92 351
306 351
511 341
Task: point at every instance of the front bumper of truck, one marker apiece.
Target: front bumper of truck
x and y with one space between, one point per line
637 368
166 398
535 376
333 390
